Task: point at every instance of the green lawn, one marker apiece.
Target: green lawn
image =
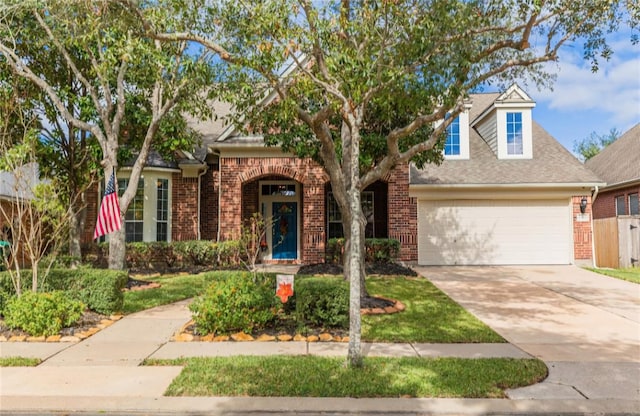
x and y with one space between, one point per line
631 274
312 376
173 288
430 315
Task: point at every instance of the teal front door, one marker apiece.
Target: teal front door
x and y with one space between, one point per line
285 230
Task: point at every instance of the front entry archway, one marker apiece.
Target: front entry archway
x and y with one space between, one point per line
279 205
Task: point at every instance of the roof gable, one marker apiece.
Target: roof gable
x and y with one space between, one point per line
620 161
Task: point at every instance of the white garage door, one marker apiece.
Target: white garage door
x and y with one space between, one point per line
480 232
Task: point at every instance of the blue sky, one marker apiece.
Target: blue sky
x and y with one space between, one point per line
582 102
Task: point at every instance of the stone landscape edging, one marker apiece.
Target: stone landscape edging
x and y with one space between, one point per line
182 335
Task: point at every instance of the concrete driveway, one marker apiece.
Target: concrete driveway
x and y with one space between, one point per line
585 326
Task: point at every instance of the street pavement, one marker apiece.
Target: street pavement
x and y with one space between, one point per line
584 326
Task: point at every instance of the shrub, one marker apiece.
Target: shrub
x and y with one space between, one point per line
322 301
241 302
377 250
41 314
100 290
196 252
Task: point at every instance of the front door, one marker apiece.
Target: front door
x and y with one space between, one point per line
284 235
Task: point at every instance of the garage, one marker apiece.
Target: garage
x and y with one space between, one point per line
494 232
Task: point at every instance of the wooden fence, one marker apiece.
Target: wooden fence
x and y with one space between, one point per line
617 241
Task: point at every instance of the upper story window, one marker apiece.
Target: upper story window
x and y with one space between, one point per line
514 134
457 143
621 209
452 145
634 208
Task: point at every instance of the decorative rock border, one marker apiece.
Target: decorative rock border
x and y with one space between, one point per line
397 307
66 338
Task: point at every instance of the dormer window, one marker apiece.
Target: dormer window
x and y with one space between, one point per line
452 145
514 134
506 125
457 144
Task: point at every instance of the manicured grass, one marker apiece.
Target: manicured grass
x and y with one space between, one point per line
430 315
312 376
19 362
631 274
172 289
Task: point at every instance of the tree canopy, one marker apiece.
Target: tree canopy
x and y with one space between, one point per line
364 86
122 88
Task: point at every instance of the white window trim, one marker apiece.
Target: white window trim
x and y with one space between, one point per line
464 137
527 139
150 208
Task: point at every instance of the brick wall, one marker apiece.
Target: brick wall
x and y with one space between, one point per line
403 214
92 215
184 197
209 203
239 197
605 203
582 231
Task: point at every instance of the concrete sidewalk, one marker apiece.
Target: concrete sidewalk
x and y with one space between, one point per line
569 332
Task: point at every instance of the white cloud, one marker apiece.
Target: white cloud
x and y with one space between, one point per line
613 91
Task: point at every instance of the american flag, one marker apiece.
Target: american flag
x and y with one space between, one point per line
109 214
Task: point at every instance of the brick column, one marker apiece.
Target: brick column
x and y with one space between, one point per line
582 230
403 214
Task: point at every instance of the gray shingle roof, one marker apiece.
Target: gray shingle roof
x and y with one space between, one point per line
620 161
551 162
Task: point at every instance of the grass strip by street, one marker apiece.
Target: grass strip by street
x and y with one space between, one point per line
313 376
430 315
19 362
630 274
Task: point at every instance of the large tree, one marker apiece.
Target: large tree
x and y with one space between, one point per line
102 48
376 83
590 146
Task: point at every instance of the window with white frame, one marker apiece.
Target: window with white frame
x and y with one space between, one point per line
452 145
334 217
134 217
148 217
621 209
514 134
162 209
634 208
456 145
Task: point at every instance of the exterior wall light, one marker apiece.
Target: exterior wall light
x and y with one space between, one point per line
583 204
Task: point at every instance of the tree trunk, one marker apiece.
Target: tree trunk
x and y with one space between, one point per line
353 264
75 232
117 249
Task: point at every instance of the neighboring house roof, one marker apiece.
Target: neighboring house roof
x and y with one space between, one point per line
619 163
20 183
551 162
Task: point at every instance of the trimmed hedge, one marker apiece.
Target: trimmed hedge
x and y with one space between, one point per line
241 302
377 250
100 290
174 256
322 301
